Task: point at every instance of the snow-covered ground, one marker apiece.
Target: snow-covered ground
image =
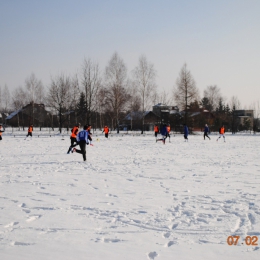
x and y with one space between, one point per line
132 199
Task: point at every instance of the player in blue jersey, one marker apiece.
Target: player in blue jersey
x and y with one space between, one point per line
163 133
82 140
206 132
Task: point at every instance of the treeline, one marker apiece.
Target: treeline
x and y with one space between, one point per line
111 94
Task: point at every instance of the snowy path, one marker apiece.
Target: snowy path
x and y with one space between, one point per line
132 199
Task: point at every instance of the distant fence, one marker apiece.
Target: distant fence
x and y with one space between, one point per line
48 131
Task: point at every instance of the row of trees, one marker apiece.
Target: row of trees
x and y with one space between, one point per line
111 93
89 92
186 95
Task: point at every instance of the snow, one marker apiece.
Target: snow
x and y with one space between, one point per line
133 198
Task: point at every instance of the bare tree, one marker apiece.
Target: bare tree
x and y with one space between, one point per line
144 76
91 83
134 103
19 101
256 110
6 99
58 96
101 103
40 94
73 99
18 98
235 103
186 90
115 80
35 91
213 95
164 98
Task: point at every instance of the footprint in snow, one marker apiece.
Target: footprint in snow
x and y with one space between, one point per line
173 226
166 235
32 218
110 240
111 195
23 205
170 243
11 224
16 243
152 255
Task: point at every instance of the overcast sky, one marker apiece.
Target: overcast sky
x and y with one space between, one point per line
219 40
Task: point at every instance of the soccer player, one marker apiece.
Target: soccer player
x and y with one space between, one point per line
222 133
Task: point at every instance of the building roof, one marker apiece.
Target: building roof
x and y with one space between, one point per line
137 114
14 114
68 112
174 112
160 105
195 114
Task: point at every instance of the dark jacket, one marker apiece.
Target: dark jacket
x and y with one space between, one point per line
206 129
186 130
164 131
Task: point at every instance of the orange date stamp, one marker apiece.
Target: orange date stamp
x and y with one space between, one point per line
249 240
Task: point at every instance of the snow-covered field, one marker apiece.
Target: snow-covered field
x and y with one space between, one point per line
132 199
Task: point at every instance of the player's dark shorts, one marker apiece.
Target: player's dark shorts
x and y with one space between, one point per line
72 141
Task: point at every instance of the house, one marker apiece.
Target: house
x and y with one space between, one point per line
200 118
134 120
160 114
161 108
167 114
32 113
243 116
